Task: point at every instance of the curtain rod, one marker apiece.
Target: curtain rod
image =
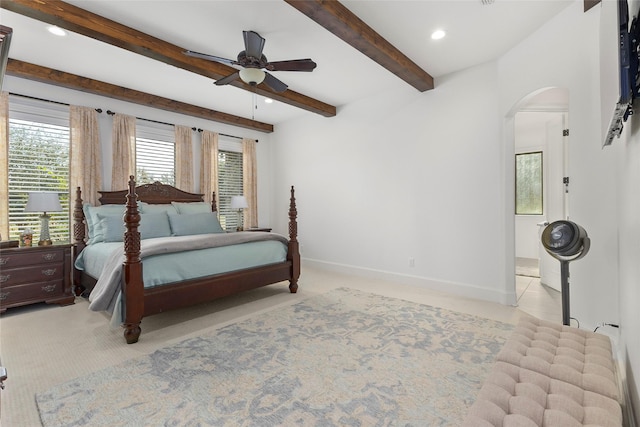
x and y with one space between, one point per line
223 134
99 110
111 113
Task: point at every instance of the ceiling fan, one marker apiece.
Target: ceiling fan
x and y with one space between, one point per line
252 60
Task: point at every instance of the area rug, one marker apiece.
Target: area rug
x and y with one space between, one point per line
344 358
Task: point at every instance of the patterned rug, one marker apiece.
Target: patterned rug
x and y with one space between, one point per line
345 358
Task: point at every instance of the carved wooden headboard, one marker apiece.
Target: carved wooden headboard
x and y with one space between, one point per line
156 193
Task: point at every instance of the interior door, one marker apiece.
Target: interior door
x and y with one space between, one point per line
556 192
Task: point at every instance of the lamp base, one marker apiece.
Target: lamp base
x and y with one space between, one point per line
45 243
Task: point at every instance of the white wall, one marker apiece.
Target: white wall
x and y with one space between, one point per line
405 175
627 151
53 93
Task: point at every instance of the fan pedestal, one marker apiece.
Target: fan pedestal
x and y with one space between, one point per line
566 307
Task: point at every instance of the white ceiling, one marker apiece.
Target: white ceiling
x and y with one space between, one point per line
476 33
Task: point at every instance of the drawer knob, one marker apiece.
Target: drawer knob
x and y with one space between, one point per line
49 256
49 288
4 261
4 295
49 271
4 278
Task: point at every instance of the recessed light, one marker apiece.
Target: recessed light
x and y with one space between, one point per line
57 31
268 100
438 34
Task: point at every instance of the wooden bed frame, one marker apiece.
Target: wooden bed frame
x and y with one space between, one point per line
139 302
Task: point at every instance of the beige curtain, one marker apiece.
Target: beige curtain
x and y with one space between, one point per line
85 154
4 165
250 182
124 151
184 158
209 165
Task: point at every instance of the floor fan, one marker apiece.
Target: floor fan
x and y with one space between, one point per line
566 241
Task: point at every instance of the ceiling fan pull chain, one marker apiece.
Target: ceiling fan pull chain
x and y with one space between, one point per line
254 105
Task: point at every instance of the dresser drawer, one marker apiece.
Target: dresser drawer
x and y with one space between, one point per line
32 291
36 273
17 258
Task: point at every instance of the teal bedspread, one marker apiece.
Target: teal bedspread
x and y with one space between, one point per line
165 262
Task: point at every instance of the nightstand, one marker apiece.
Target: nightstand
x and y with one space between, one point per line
258 229
35 274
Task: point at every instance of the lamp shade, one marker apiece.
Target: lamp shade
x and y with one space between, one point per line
239 202
43 201
252 76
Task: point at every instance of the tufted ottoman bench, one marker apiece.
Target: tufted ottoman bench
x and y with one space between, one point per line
550 375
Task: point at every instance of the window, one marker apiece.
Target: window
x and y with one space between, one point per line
529 183
229 180
155 153
38 161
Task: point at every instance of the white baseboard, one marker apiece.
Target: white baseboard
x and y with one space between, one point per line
462 289
628 417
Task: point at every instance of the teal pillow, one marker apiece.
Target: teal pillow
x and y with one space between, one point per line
197 223
91 218
110 228
192 207
157 208
154 225
151 226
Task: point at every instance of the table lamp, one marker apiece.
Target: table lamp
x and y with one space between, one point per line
240 203
43 201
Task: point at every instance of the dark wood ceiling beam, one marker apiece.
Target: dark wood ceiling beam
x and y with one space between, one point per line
588 4
81 21
41 74
335 17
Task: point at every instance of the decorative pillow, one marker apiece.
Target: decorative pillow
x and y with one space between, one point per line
110 228
151 225
154 225
157 208
91 217
192 207
196 223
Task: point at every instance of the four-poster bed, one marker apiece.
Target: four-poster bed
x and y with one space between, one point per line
135 298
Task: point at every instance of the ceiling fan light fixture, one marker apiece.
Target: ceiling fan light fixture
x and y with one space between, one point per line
252 76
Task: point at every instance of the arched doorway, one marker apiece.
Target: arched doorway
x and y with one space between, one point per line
539 142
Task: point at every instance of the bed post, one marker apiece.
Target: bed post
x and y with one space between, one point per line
214 207
78 239
293 252
132 286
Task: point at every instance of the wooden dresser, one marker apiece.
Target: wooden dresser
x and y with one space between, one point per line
35 274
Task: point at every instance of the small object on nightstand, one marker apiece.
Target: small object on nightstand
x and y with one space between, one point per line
259 229
26 237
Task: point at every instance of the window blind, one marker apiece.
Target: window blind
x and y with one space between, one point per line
155 153
38 161
229 185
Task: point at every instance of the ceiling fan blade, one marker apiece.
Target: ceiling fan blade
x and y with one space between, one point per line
228 79
291 65
210 57
253 44
275 84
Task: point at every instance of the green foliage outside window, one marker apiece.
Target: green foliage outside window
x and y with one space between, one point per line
529 183
38 161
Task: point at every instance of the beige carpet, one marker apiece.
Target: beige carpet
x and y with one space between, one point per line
343 358
42 345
